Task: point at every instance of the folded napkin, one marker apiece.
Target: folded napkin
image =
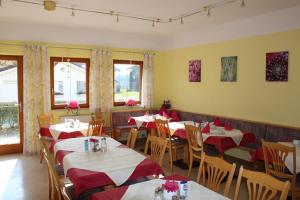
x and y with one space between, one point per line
227 127
165 114
206 129
217 122
174 116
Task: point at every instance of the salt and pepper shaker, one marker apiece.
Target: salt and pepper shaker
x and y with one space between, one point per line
183 189
86 145
158 194
103 145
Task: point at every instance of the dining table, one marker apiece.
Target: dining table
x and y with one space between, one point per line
145 190
87 169
219 137
64 130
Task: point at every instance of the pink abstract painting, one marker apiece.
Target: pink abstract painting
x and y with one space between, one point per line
195 70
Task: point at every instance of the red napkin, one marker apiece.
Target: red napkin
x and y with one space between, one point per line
165 114
174 116
217 122
206 129
227 127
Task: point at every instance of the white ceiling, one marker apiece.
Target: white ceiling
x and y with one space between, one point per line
35 14
26 22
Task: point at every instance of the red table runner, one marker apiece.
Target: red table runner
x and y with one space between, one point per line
45 132
85 179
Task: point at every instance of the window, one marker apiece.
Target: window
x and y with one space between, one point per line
69 81
58 88
127 81
81 87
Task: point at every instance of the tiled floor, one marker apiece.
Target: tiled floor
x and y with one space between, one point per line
23 177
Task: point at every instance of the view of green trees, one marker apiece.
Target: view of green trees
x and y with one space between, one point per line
8 115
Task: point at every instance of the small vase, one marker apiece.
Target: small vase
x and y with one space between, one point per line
169 195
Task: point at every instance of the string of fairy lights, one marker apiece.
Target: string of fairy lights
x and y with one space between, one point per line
51 5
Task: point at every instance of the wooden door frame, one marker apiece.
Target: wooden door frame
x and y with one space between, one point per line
16 148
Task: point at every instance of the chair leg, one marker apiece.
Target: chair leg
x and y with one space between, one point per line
171 159
42 155
190 165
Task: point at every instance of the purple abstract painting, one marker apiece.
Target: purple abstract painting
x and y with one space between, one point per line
195 70
277 66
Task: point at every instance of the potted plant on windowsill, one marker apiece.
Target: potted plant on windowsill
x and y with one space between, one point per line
73 107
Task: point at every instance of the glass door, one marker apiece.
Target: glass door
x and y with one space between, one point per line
11 101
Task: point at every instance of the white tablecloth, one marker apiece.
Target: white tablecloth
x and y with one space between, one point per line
77 144
235 134
117 163
145 191
174 126
289 158
56 129
146 118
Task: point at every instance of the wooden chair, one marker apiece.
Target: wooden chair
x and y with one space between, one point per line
158 148
57 189
95 128
45 119
216 169
173 143
132 135
275 155
261 186
195 142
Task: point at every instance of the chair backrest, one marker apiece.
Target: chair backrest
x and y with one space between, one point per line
95 128
213 171
275 155
45 119
132 135
163 129
261 186
194 136
158 147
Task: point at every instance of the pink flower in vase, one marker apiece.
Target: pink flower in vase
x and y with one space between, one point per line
73 105
130 102
170 186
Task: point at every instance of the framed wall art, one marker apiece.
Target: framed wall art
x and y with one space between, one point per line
195 70
277 66
229 69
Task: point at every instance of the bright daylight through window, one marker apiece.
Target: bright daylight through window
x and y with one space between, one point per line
69 81
127 81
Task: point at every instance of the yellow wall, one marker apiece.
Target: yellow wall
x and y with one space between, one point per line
251 97
15 48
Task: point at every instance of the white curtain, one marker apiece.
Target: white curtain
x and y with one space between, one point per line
36 90
147 81
101 82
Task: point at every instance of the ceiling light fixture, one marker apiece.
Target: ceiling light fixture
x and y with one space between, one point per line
243 4
49 5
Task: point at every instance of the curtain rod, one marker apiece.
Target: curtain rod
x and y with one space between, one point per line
79 48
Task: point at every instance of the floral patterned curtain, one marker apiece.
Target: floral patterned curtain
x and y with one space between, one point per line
36 90
147 81
101 82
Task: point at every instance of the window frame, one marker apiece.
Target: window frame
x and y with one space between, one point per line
135 62
69 59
